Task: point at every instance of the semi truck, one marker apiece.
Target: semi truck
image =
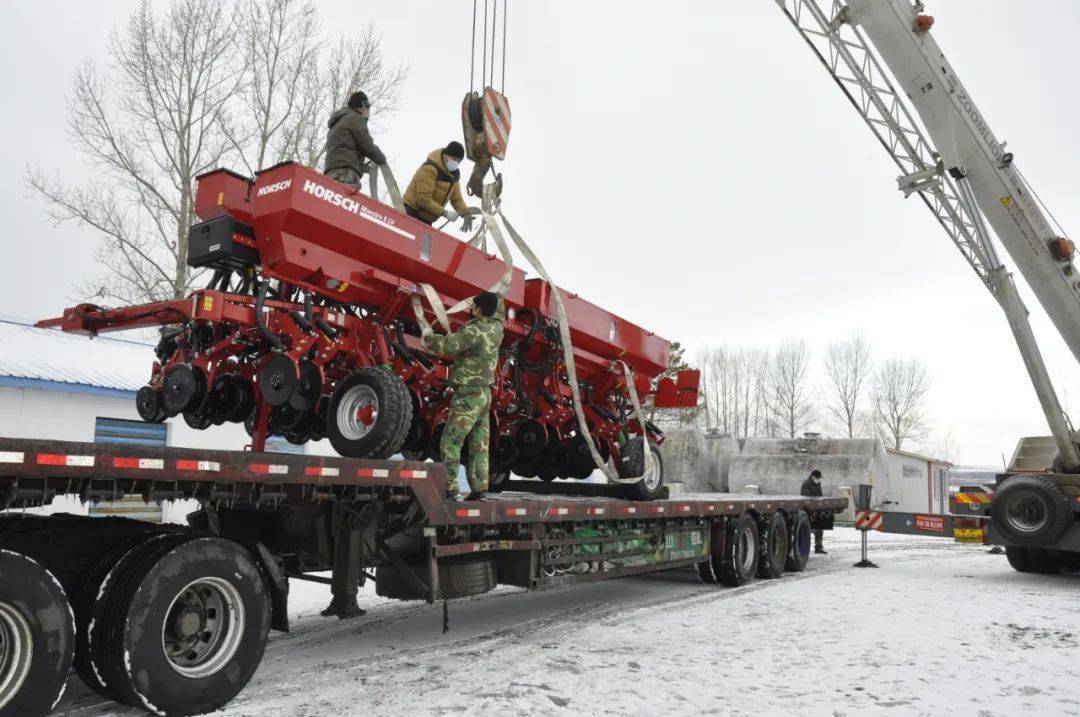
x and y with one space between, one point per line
174 619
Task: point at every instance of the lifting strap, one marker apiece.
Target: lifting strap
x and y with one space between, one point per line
492 205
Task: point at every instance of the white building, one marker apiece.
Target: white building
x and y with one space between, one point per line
73 388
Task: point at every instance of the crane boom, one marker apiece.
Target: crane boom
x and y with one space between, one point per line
953 162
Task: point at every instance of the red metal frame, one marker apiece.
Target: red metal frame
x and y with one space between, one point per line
363 262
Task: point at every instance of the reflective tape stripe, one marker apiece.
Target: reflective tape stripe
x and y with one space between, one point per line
193 465
372 473
54 459
155 464
412 474
12 457
321 471
596 511
686 509
516 511
467 513
561 511
630 510
270 468
659 509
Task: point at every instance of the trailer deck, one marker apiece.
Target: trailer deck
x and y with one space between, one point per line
267 517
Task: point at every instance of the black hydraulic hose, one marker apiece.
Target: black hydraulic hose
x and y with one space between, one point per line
308 314
260 298
399 348
214 279
326 328
301 321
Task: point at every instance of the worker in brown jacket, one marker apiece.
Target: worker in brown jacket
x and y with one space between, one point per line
349 144
434 184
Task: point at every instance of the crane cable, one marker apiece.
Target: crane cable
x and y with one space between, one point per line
488 61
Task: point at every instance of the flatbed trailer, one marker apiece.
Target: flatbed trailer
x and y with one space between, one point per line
174 619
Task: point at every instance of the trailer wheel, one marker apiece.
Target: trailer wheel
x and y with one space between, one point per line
1031 510
92 661
775 546
189 625
459 576
369 415
742 551
648 488
799 533
37 637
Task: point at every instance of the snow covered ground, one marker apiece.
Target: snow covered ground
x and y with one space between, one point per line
939 628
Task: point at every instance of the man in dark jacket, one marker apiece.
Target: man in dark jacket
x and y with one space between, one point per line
349 144
812 487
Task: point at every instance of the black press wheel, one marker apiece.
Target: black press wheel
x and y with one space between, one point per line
459 576
775 546
1031 510
1035 560
37 637
188 626
799 539
369 415
739 561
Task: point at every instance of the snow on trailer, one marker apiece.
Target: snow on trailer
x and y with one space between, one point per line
205 596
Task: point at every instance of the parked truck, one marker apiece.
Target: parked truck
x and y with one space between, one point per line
174 619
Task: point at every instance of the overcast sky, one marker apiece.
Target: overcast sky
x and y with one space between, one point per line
689 165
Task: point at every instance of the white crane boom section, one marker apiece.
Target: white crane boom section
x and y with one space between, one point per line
955 164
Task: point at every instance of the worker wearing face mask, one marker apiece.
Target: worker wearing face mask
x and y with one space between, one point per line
434 184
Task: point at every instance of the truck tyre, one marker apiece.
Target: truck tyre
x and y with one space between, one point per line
1031 510
37 637
459 576
370 414
707 573
89 606
1017 558
188 625
775 547
648 488
742 551
800 534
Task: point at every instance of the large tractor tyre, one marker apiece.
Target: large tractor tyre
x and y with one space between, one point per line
799 536
1031 510
459 576
37 637
775 546
497 481
633 458
369 414
738 563
187 626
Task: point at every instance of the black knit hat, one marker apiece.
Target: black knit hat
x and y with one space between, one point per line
487 301
358 101
815 474
455 150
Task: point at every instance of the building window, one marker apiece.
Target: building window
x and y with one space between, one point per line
138 433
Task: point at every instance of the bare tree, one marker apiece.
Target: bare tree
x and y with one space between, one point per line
899 387
790 391
733 389
344 67
148 130
202 84
848 368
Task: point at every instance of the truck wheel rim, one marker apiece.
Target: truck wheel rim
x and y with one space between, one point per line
357 412
746 549
779 549
16 651
1027 512
203 627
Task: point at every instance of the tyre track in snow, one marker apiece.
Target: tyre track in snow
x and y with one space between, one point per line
318 648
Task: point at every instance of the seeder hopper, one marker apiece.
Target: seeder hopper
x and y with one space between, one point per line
305 330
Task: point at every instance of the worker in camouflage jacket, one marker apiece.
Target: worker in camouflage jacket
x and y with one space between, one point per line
436 182
349 144
475 351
